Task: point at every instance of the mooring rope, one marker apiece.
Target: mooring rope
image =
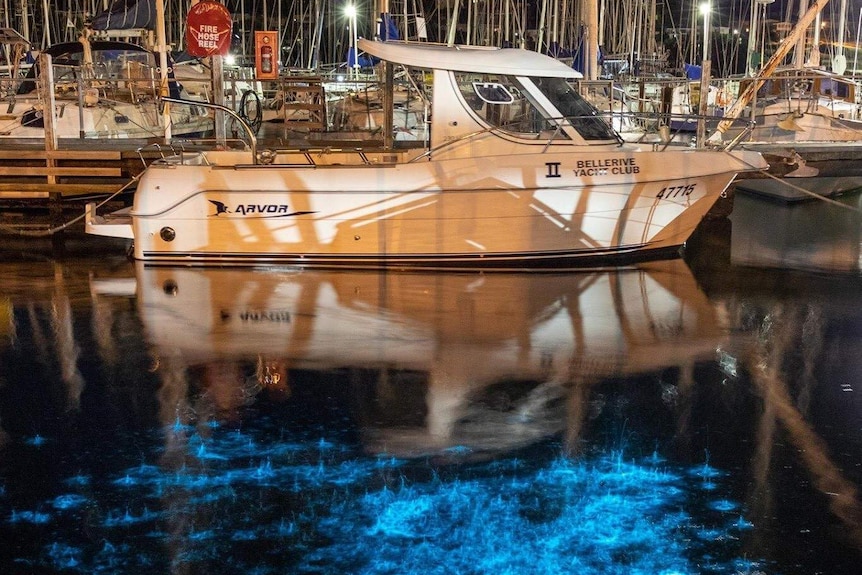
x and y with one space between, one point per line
813 195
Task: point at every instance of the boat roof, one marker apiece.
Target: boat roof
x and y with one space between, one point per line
480 59
63 48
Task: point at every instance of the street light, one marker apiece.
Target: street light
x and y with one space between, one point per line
350 12
706 9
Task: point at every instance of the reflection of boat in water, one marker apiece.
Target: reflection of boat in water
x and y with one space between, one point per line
519 171
496 354
157 481
812 236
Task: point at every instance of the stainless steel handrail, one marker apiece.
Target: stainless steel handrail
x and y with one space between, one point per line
251 137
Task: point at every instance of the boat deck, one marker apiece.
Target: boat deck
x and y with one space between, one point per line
84 168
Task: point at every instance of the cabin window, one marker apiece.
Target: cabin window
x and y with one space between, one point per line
502 102
580 113
493 93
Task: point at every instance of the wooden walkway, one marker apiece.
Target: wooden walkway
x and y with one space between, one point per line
78 168
30 174
43 191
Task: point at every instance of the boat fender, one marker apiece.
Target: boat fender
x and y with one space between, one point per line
32 118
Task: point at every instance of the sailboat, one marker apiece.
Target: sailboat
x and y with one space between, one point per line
106 84
102 89
806 122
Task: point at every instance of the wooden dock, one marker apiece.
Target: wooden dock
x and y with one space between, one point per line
43 191
29 172
39 174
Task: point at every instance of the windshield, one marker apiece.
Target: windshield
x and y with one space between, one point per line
580 113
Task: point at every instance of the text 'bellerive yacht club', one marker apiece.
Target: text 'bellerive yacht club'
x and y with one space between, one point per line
518 171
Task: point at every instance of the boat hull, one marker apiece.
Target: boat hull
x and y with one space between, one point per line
806 171
498 212
792 190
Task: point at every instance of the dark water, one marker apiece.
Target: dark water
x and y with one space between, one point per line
691 416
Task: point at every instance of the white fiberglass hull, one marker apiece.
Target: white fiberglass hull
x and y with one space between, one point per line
500 211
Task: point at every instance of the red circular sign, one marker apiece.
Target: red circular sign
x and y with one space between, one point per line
208 27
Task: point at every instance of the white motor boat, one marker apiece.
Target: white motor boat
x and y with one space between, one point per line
519 171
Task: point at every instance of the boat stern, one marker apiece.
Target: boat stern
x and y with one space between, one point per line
115 225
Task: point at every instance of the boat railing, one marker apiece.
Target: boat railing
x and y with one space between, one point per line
177 154
270 156
664 129
249 131
664 137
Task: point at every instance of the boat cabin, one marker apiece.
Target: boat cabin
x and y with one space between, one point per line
513 96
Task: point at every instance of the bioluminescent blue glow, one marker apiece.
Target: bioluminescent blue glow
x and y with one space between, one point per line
264 501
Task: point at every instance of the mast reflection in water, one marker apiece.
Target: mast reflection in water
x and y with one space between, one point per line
222 421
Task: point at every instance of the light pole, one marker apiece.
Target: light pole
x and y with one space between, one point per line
350 12
706 9
705 74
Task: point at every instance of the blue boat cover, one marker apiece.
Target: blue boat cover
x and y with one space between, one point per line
126 14
693 72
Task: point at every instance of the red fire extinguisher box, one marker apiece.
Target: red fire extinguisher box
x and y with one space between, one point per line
266 55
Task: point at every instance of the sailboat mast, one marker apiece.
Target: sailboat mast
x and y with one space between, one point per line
25 21
858 38
814 53
507 6
46 26
839 63
162 49
799 51
541 39
753 33
601 35
591 43
555 23
317 37
453 24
